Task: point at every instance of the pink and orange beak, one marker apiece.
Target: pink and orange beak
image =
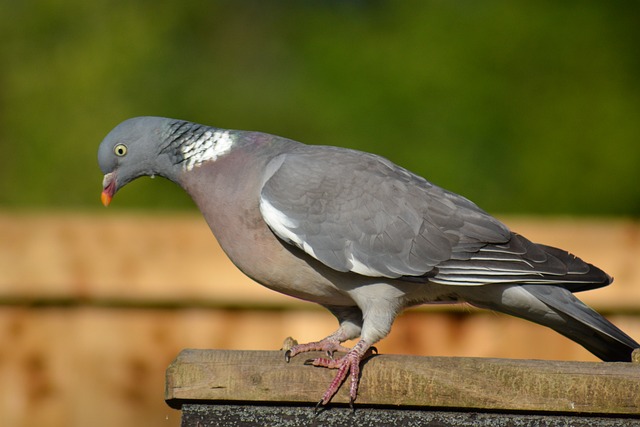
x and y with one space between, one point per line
108 188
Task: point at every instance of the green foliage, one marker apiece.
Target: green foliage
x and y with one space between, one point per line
520 106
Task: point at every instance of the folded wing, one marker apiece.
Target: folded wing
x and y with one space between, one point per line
358 212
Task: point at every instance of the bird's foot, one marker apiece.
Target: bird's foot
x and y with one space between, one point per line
346 365
328 345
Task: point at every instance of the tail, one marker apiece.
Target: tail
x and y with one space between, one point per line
558 309
535 282
584 325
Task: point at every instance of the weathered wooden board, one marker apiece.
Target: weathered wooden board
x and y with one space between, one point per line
412 381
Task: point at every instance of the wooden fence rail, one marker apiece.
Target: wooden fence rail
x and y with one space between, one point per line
174 259
245 381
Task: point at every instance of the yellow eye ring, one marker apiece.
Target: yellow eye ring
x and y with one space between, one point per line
120 150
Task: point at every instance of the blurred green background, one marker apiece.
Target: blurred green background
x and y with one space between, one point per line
524 107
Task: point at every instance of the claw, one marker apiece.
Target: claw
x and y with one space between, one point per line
318 407
287 356
348 366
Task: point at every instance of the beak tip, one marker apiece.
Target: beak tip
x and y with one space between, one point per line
108 188
105 198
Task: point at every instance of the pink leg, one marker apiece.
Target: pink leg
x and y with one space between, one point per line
350 327
346 365
329 345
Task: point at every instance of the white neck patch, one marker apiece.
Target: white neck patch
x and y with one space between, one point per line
209 146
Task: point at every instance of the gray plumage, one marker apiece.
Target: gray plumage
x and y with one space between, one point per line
357 234
350 209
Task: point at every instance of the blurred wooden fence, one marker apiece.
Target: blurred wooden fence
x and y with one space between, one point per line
93 308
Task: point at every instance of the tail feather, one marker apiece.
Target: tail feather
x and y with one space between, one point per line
535 282
558 309
584 325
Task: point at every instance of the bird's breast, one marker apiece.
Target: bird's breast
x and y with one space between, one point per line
228 195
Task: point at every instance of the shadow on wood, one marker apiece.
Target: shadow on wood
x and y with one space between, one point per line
217 377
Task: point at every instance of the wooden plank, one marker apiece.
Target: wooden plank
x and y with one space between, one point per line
428 382
126 258
120 258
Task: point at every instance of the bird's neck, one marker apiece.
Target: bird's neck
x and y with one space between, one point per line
189 145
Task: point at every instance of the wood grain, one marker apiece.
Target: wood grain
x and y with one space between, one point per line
413 381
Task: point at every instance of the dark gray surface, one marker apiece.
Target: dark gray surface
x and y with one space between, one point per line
199 415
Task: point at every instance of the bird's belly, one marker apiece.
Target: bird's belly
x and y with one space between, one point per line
265 259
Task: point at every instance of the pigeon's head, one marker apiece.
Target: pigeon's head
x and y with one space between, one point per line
129 151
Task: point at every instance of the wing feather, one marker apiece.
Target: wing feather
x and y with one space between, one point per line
359 212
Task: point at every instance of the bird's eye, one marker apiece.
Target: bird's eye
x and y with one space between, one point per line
120 150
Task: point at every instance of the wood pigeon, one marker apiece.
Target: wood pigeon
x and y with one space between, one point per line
357 234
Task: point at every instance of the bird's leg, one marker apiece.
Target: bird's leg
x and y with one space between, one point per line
351 326
349 364
377 317
350 319
329 345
